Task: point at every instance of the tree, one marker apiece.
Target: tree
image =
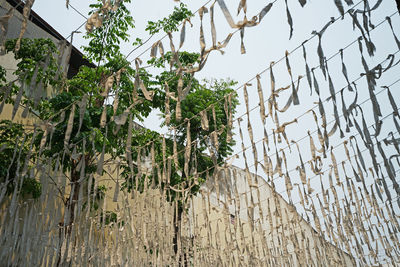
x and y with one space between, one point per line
92 114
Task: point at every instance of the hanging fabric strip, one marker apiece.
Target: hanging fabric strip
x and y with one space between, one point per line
227 109
333 97
230 120
321 56
398 5
393 141
250 131
138 178
116 97
375 164
308 72
359 155
178 111
389 170
103 118
289 19
175 152
204 120
227 15
161 49
303 2
397 124
344 71
69 126
288 183
320 51
271 101
18 99
188 148
147 94
267 169
202 41
312 147
100 162
82 108
290 100
366 132
320 135
213 30
175 55
242 6
281 129
289 69
154 49
165 173
241 24
346 113
315 82
261 99
335 168
94 21
339 6
352 105
367 9
167 104
375 105
392 102
215 135
25 14
394 35
368 43
265 11
301 168
129 146
242 47
183 34
324 123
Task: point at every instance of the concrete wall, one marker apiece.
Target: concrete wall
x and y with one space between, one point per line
253 224
14 25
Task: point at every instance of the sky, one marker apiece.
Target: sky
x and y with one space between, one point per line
265 43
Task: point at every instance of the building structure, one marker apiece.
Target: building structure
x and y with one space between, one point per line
244 220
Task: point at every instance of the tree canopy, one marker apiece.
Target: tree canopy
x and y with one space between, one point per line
93 113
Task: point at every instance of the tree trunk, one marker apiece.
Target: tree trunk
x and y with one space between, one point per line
73 199
69 207
177 222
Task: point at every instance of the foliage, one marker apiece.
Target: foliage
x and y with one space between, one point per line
90 138
2 75
200 96
185 58
170 24
14 148
105 41
31 186
36 60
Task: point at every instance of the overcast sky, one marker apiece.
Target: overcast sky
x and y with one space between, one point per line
264 43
